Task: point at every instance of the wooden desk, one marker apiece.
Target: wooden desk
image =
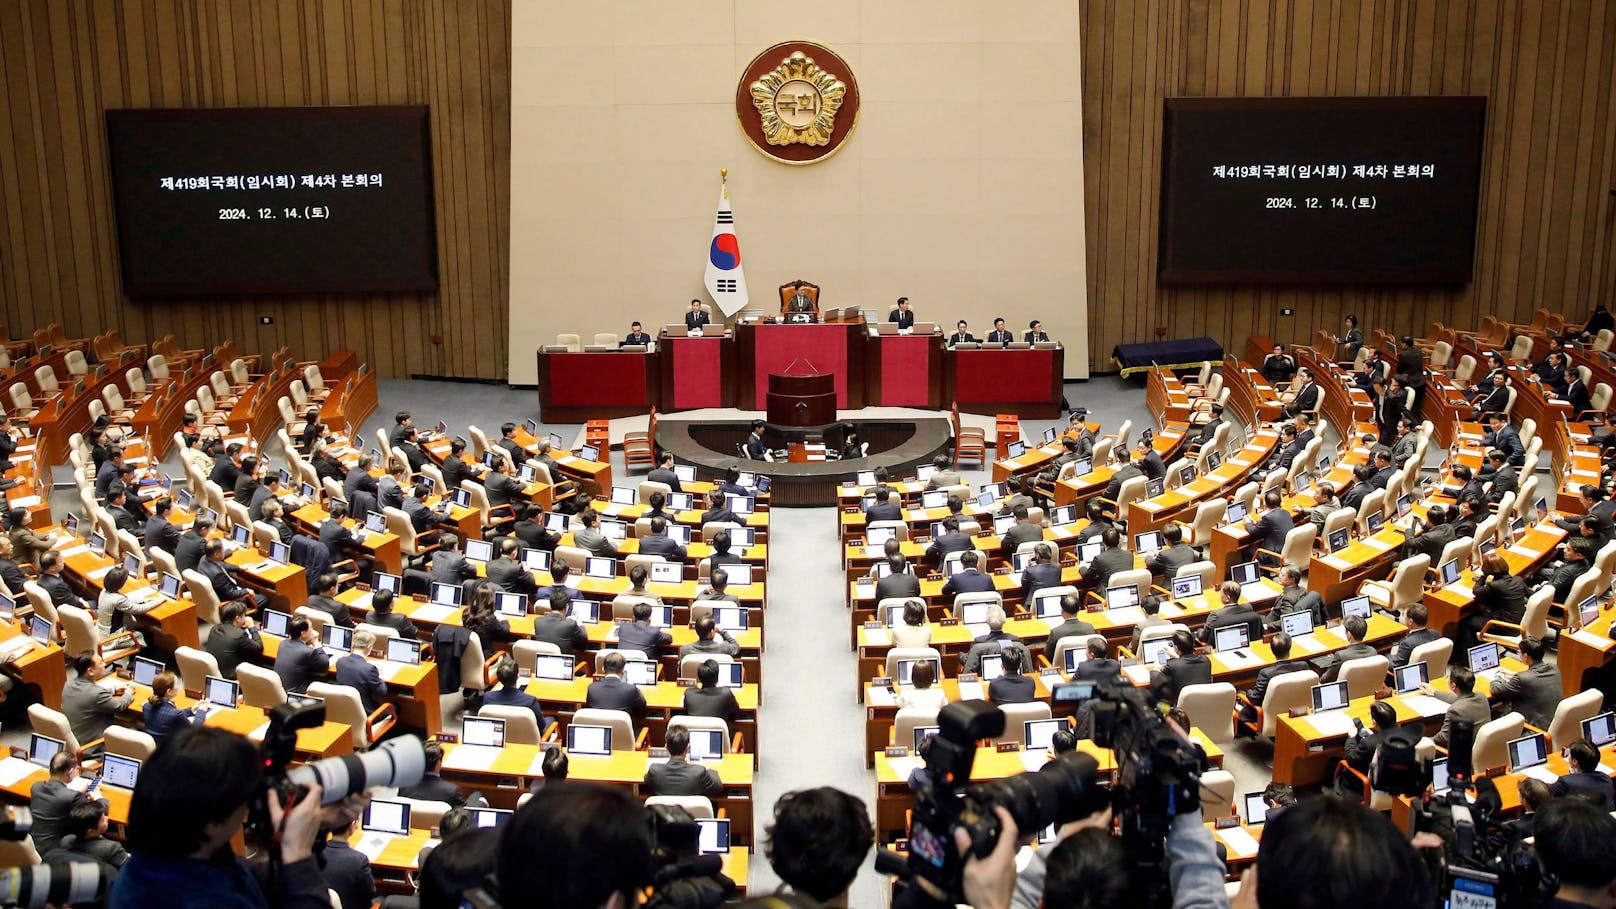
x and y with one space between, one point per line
663 701
413 689
287 585
383 549
42 671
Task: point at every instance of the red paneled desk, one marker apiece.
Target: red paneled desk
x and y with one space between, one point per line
904 370
575 387
832 348
697 372
1027 383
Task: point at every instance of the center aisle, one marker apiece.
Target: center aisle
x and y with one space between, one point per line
811 725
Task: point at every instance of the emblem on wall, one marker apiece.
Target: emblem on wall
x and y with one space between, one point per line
797 102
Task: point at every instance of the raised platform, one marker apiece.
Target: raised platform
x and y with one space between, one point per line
897 445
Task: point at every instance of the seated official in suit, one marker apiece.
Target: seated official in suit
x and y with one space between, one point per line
1278 367
89 706
552 625
1151 607
883 508
1043 571
508 574
710 639
1174 554
1586 778
360 674
640 635
1415 618
1112 559
235 639
1534 692
995 641
324 599
1306 399
708 699
611 692
722 556
1464 701
658 543
53 583
968 579
636 337
1097 666
1185 668
663 473
382 613
51 801
1232 612
697 319
1126 470
1271 529
1071 606
1012 687
1362 744
903 315
1022 531
432 787
160 532
300 659
677 776
218 573
1000 335
159 713
1356 629
755 449
1035 332
900 581
717 589
509 693
1280 644
961 335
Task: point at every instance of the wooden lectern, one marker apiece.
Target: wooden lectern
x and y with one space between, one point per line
799 296
801 400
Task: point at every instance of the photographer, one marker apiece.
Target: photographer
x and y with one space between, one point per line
575 846
191 799
1576 842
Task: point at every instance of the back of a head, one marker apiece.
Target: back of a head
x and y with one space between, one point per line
459 863
198 776
1576 842
1325 852
1088 870
573 847
819 839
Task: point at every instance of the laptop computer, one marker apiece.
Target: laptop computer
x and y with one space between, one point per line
1356 606
1232 638
1339 539
386 816
734 618
221 692
1256 808
144 670
1121 596
511 604
535 559
1148 542
712 835
992 666
1448 572
479 551
558 667
404 650
1330 696
447 594
1483 658
906 669
392 583
1236 513
338 638
1297 624
1408 679
41 748
489 818
640 672
483 731
1186 586
1088 552
277 623
731 675
118 770
584 612
1063 516
739 575
1037 735
600 567
1600 730
705 743
1156 652
922 733
1529 755
589 740
1047 605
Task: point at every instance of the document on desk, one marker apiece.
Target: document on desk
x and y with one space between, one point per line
15 770
1240 659
1306 643
1541 772
1462 589
1425 705
1378 544
432 612
877 637
24 502
1583 636
472 757
903 766
1138 674
101 572
362 601
372 844
916 514
1128 615
971 691
1034 759
1238 841
72 551
879 696
388 669
1332 722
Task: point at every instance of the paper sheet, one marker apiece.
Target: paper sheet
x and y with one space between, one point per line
432 612
1583 636
903 766
72 551
372 844
1332 722
876 696
15 770
877 637
1127 615
1235 660
1541 772
1425 705
1033 760
972 691
1306 644
1137 674
1239 841
472 757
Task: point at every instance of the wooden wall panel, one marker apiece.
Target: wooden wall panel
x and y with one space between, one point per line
63 62
1545 235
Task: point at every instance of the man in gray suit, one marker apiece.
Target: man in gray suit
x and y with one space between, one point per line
1111 560
52 800
552 625
1534 693
946 475
995 641
664 474
968 579
509 575
710 639
1070 606
1356 629
678 776
91 708
588 535
1465 702
1023 531
610 692
1174 554
658 543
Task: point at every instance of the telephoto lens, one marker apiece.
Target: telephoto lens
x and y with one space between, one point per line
55 884
396 762
1062 791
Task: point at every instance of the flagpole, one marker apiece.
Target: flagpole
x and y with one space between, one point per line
723 176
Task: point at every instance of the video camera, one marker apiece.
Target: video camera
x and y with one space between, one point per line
1064 790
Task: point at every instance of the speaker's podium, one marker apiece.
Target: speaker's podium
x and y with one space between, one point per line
801 396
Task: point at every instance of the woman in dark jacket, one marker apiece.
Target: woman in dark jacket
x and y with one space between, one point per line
162 717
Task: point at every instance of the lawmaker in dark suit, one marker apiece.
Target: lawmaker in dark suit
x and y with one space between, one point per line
1071 626
1035 332
1418 635
1280 644
1185 668
1434 538
903 315
1098 666
361 674
883 508
381 613
1175 554
677 776
346 871
663 473
51 801
1012 687
696 317
636 337
1126 470
235 639
1044 571
552 625
709 699
1112 559
1271 529
509 693
1505 438
1576 394
325 600
1356 629
641 635
950 540
658 543
610 692
961 335
999 334
508 574
1306 399
968 579
300 659
1535 692
214 568
755 449
1585 777
160 533
1233 612
432 787
899 582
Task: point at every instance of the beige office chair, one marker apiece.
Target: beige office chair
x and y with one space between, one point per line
900 529
1211 709
82 636
1015 715
1490 750
689 663
195 666
909 653
1566 726
473 667
425 814
573 556
730 743
260 687
54 723
1365 675
130 743
343 705
1285 692
1217 794
649 486
618 721
1435 655
697 806
1403 589
905 721
991 597
1208 515
1535 620
41 602
526 651
521 727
